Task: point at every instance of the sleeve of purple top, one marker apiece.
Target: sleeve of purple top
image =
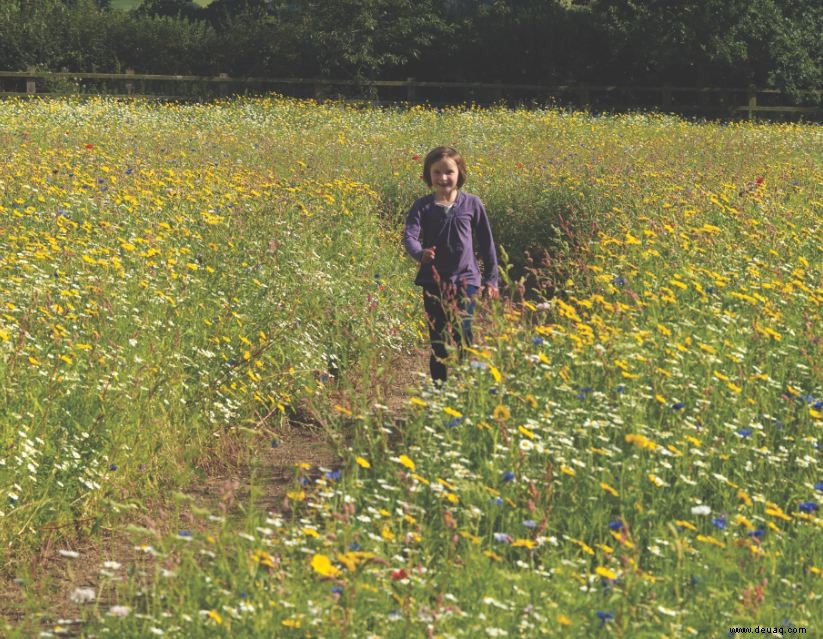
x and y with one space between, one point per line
486 248
411 234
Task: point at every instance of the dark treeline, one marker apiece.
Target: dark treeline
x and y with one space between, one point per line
697 43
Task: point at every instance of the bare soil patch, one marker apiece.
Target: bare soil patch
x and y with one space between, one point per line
245 469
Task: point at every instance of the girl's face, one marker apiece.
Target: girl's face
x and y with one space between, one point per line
444 175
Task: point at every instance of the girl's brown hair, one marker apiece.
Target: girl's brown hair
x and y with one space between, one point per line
435 155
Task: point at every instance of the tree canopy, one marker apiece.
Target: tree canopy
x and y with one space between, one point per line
725 43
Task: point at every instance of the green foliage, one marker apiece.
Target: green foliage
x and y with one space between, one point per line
735 44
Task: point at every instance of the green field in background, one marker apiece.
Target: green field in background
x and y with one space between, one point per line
126 5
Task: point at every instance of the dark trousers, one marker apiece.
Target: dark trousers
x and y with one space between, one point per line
449 311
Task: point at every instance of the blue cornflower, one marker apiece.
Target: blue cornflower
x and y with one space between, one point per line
508 476
112 466
616 525
337 590
184 534
819 486
809 507
678 405
745 432
497 501
305 481
604 617
719 522
455 422
129 171
354 546
530 523
537 340
274 443
619 281
334 475
621 388
757 533
502 537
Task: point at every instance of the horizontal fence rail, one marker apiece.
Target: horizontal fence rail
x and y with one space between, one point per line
710 101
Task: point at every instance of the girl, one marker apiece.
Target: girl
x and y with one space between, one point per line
443 231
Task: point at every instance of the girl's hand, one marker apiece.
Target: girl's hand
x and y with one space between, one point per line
492 292
427 255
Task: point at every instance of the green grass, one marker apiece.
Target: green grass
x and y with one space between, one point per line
632 451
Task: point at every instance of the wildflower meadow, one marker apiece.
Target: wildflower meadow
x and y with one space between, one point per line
631 448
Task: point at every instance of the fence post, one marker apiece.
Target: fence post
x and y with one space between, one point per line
411 94
752 103
31 84
130 84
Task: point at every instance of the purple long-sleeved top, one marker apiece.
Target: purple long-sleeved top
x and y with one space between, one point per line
427 225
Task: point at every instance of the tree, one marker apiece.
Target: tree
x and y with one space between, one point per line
715 42
362 38
184 9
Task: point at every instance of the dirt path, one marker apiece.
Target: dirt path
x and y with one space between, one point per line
48 595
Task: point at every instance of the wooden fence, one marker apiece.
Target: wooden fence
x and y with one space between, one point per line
705 102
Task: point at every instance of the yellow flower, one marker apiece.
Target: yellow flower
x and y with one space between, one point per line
408 463
609 489
584 546
492 555
641 441
322 565
353 559
215 616
710 540
501 413
524 543
452 412
495 373
264 558
362 462
778 512
606 572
